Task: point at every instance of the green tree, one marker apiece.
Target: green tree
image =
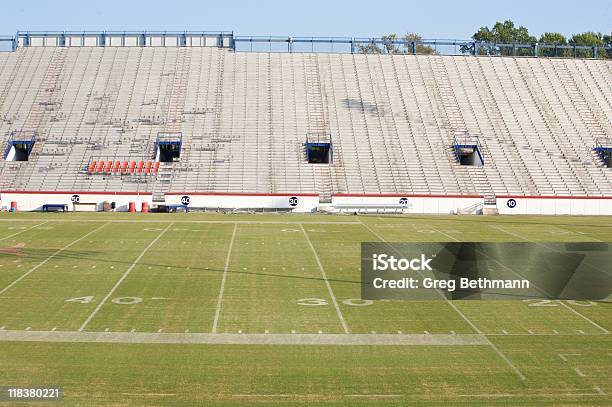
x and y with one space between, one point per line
502 33
607 38
588 39
369 48
389 45
418 40
552 38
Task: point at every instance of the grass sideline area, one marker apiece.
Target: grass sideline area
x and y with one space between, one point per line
274 275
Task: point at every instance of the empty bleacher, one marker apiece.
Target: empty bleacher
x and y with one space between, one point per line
244 118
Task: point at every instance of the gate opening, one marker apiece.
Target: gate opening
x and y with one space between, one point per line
168 147
468 151
318 153
319 148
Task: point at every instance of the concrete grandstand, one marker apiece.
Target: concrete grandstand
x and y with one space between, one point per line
186 119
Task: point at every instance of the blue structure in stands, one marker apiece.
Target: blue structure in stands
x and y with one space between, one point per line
19 146
468 150
168 146
319 148
603 148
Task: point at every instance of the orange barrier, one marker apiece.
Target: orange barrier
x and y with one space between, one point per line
156 166
92 166
132 166
148 167
124 167
108 166
140 165
132 207
116 166
145 207
100 166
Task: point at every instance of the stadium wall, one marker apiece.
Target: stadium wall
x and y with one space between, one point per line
33 201
294 202
429 204
444 204
539 205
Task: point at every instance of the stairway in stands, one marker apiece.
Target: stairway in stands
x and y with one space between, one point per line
317 123
455 123
162 183
46 104
175 105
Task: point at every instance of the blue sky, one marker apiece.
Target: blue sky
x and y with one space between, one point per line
431 19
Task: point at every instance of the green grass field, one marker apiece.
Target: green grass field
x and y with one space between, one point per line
279 275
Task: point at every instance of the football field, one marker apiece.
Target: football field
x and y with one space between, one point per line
156 309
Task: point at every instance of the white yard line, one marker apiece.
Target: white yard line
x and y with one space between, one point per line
8 287
604 330
508 232
329 288
458 311
597 389
595 324
22 231
123 277
222 288
153 220
339 339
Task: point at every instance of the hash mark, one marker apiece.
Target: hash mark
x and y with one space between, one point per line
579 372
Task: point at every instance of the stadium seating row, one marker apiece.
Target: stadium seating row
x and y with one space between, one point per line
125 167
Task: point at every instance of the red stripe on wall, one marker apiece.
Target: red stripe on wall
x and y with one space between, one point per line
406 196
236 194
552 197
74 193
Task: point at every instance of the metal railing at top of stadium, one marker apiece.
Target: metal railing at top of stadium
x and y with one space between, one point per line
439 46
26 36
354 44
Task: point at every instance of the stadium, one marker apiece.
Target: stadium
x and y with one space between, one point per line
173 119
284 155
